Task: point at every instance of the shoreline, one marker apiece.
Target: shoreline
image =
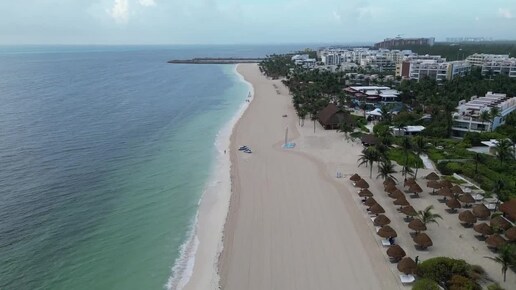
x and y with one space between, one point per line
197 265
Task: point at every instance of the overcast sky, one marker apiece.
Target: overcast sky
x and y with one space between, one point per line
249 21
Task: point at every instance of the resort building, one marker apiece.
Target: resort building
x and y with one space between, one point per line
373 94
468 115
304 60
478 59
500 67
436 68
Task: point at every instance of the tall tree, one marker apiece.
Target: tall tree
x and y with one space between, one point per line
484 117
406 145
369 156
503 150
427 216
506 257
386 170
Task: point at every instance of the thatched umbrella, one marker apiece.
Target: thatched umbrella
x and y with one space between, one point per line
500 222
432 176
408 210
495 241
415 188
362 184
467 217
466 198
417 225
381 220
481 211
370 202
402 201
387 232
456 189
376 209
510 234
407 266
433 184
445 191
355 177
389 181
365 193
446 183
453 204
483 229
390 188
423 240
396 194
395 252
409 181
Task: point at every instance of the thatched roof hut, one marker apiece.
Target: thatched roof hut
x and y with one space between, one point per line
408 210
376 209
432 176
407 266
387 232
417 225
362 184
466 198
481 211
467 217
402 201
495 241
370 202
332 117
483 229
500 222
423 240
365 193
510 234
355 177
453 204
369 140
381 221
396 252
509 209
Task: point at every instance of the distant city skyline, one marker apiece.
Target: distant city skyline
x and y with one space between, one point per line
249 21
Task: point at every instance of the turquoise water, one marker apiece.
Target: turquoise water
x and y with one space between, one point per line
105 155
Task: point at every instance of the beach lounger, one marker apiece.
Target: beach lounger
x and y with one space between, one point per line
407 279
386 243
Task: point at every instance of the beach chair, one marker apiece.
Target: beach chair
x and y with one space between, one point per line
386 243
407 279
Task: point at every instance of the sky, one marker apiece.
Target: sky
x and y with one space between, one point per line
250 21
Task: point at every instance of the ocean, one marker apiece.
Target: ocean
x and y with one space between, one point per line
105 152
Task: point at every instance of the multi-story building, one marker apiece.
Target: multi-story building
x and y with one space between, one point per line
478 59
437 69
468 115
500 67
398 41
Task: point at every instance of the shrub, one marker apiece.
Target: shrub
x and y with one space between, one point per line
495 286
441 269
459 282
425 284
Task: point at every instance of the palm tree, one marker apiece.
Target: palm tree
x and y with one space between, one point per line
493 114
420 147
503 150
369 155
406 146
386 169
506 258
427 216
484 116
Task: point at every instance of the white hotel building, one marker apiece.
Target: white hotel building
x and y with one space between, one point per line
494 64
467 117
437 69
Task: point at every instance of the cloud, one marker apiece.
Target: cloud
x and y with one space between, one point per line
505 13
147 3
120 11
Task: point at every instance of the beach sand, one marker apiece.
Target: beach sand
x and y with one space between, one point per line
290 224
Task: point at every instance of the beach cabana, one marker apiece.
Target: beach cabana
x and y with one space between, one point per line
369 140
432 176
370 202
387 232
365 193
409 181
446 183
483 229
509 209
409 211
510 234
376 209
355 177
495 241
362 184
396 194
332 117
395 253
417 225
446 192
499 223
407 266
381 221
433 184
422 241
389 181
453 204
481 211
390 188
415 188
467 218
466 198
402 201
456 189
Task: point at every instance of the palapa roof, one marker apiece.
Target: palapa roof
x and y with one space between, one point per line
387 232
362 184
432 176
381 220
390 188
408 182
365 193
509 208
407 266
369 139
467 217
457 189
370 202
434 184
481 211
453 203
327 113
466 198
510 234
388 181
415 188
355 177
417 225
402 201
408 210
446 183
423 240
376 209
495 241
396 194
395 251
445 191
483 229
500 223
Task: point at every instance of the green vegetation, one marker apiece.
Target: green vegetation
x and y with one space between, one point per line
425 284
450 273
495 286
397 155
462 50
506 258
